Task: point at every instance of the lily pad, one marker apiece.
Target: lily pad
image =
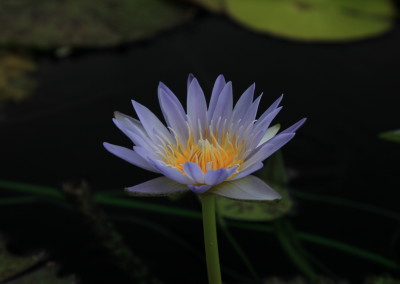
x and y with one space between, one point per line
255 211
16 82
311 20
49 24
393 136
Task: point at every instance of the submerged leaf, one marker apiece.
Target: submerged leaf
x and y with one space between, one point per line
255 211
48 23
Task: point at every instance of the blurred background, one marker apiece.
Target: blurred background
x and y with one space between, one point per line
66 66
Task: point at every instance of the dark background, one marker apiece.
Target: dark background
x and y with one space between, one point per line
349 92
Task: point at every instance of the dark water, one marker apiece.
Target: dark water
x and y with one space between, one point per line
349 92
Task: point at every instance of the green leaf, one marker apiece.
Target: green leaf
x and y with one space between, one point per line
312 20
49 24
393 136
255 211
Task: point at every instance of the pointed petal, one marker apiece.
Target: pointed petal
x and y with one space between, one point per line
250 115
189 80
274 105
150 121
129 156
261 127
244 103
249 170
196 108
174 116
159 186
134 135
294 127
172 96
247 188
133 129
163 90
199 188
224 104
271 132
194 171
128 120
173 174
149 156
267 149
214 177
218 86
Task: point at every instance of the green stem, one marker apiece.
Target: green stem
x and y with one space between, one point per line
210 238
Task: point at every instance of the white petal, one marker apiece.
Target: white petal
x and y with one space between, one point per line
243 104
247 188
214 177
223 108
173 113
248 170
194 171
173 174
267 149
133 129
150 121
129 156
271 132
196 109
159 186
218 87
249 117
274 105
261 127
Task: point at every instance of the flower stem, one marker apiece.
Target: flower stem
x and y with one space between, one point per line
210 238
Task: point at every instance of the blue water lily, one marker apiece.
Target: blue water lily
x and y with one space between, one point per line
211 149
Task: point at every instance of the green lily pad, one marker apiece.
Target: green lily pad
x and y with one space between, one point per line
11 265
49 24
45 275
393 136
254 211
16 83
310 20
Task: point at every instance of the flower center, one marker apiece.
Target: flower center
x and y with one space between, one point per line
209 153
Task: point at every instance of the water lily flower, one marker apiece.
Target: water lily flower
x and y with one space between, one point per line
207 148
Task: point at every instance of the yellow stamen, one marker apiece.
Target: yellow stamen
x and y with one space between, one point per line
207 152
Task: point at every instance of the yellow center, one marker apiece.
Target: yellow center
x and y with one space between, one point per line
208 153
